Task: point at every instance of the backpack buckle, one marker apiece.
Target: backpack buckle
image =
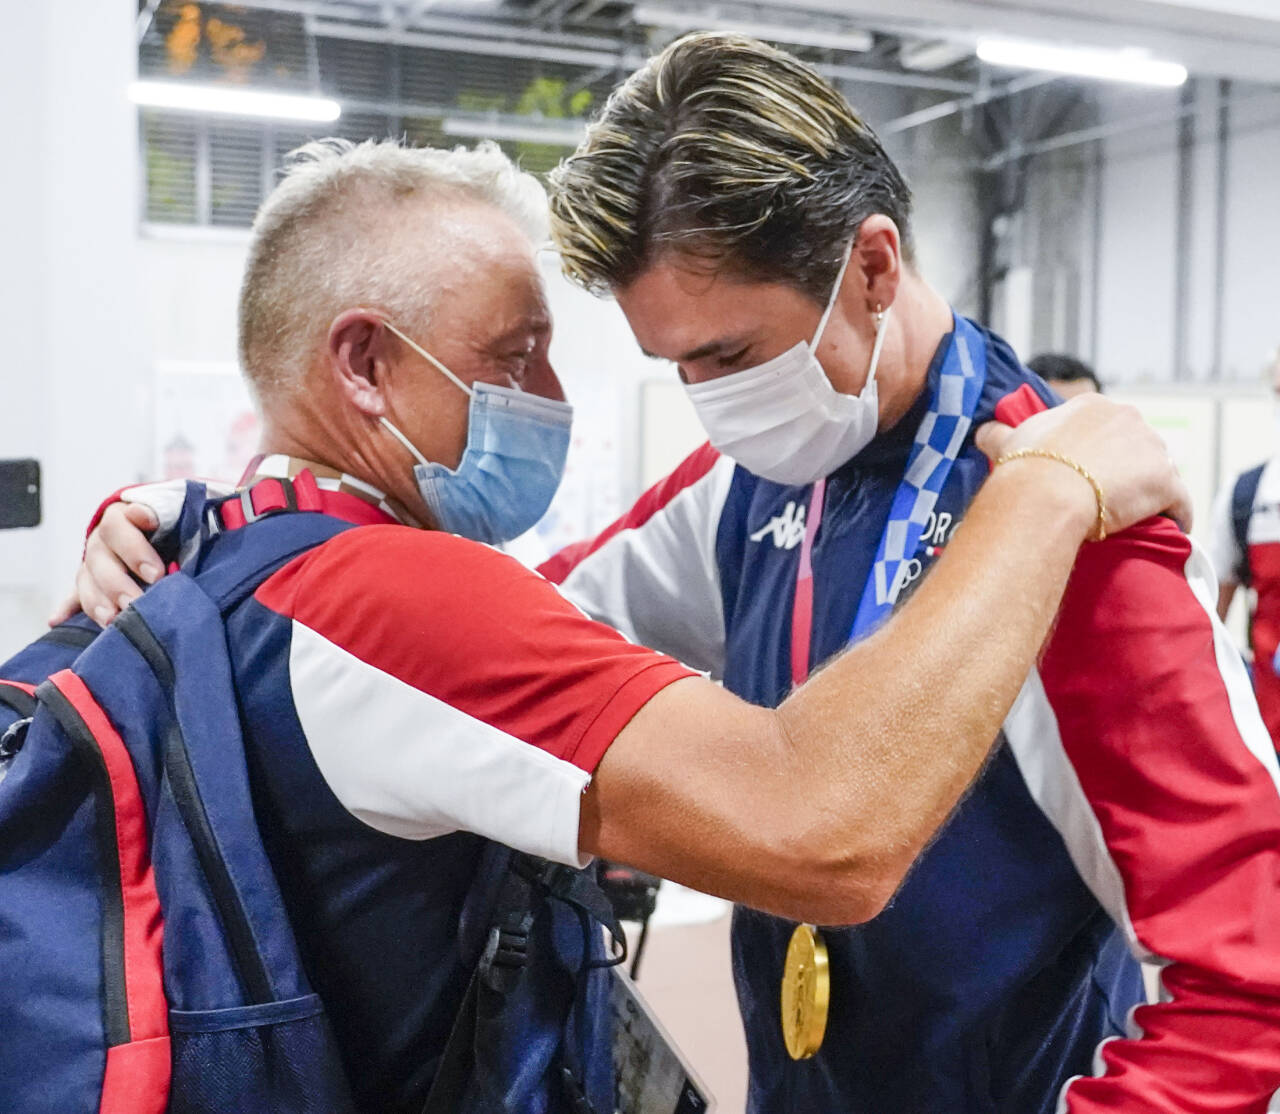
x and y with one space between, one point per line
212 521
506 953
269 495
12 740
251 512
575 1093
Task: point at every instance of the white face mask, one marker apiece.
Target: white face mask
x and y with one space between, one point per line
783 420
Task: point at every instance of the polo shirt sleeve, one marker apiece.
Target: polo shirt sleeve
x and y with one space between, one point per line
654 573
444 687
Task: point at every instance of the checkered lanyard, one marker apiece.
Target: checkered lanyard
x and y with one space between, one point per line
938 442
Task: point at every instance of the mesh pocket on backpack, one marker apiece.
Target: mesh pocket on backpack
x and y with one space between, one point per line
278 1058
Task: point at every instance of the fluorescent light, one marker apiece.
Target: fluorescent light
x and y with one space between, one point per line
1108 65
221 100
798 35
516 129
929 57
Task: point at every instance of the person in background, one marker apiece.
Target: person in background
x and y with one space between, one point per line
1065 375
1244 545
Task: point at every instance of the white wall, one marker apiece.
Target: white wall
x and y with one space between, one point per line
22 318
1138 263
1147 216
937 160
71 303
1252 304
192 280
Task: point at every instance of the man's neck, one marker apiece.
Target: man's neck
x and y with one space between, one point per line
925 318
283 438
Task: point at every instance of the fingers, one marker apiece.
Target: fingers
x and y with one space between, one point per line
93 601
992 437
1112 442
142 516
122 532
103 583
116 552
1180 509
64 610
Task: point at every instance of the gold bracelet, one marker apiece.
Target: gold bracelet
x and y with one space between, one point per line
1101 532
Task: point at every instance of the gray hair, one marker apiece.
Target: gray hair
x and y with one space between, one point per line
326 239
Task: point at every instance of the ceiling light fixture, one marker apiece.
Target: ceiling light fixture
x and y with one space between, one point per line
1133 66
678 19
223 101
933 55
514 129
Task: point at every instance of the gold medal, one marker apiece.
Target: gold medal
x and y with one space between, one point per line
806 993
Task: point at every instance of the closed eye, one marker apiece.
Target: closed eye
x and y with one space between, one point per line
733 359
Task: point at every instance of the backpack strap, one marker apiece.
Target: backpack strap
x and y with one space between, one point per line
77 637
511 884
1243 496
180 621
578 889
231 564
21 698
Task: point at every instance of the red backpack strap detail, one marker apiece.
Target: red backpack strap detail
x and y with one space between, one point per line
270 495
307 492
301 493
132 1074
137 1078
231 514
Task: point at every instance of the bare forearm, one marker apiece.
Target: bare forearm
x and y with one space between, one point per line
815 810
1226 593
896 728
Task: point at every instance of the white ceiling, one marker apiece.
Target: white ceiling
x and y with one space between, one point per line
1226 38
1260 9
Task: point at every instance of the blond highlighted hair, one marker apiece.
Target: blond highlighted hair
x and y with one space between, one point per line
729 152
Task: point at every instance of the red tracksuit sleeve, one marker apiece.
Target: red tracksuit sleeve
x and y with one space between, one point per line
1158 721
1141 738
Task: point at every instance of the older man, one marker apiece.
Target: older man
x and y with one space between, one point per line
404 689
756 235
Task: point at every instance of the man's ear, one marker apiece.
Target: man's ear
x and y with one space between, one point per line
876 267
359 346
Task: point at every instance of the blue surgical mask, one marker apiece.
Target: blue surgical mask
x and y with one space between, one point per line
516 447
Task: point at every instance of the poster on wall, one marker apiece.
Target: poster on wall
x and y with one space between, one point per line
205 425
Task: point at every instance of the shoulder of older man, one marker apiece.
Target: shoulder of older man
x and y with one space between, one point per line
400 569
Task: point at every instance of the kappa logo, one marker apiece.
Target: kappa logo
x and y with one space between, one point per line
786 528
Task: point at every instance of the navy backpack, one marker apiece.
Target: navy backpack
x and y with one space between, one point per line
1243 495
146 959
